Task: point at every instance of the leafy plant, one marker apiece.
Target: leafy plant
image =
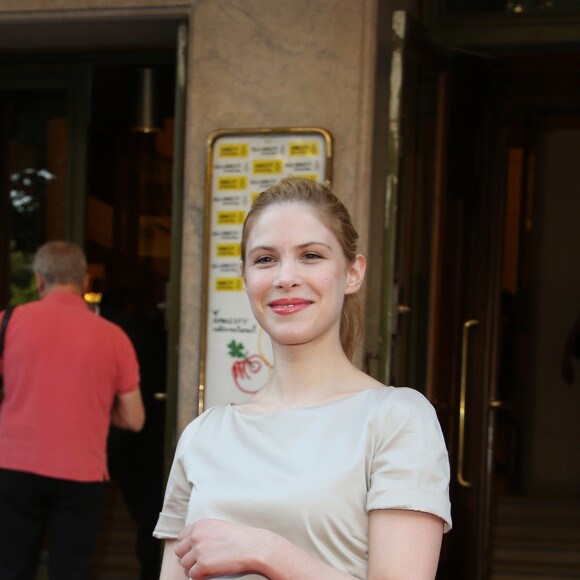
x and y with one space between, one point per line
22 282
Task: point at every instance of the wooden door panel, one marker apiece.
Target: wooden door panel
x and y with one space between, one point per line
439 265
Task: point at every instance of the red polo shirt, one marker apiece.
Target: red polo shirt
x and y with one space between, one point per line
63 366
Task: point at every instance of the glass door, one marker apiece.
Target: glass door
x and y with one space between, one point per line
41 152
128 241
93 154
437 267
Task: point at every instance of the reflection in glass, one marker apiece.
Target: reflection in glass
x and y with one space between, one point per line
33 162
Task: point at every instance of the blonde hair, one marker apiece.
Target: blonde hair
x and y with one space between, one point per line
336 218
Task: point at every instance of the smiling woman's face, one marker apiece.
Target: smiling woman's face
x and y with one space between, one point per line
296 274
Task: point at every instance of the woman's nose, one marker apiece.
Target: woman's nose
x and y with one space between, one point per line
286 276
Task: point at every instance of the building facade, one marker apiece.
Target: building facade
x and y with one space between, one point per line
454 128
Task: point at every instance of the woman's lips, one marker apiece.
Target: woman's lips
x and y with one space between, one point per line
289 306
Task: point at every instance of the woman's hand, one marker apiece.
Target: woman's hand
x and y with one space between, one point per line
215 547
210 547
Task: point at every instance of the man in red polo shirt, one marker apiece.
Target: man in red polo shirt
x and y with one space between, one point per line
68 374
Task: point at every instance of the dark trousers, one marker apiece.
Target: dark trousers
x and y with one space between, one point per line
71 509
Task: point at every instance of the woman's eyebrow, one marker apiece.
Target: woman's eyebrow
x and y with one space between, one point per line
314 243
265 248
260 248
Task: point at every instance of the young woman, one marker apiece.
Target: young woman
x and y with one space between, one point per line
324 473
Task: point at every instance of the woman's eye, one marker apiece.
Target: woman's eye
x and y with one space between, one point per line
263 260
312 256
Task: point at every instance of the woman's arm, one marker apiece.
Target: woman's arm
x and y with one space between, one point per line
215 547
404 545
171 569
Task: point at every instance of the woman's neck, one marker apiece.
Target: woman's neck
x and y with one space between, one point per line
305 375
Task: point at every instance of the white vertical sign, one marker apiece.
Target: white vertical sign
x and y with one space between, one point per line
237 355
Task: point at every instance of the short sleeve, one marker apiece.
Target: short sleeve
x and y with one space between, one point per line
408 463
177 494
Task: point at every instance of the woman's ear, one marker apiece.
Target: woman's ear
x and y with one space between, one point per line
355 274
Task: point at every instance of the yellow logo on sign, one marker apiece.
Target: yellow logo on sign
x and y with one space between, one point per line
232 217
229 183
267 166
229 285
228 250
233 150
303 148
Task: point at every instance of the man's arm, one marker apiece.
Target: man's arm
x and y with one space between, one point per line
128 411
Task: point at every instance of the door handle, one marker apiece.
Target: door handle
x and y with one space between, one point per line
500 405
464 363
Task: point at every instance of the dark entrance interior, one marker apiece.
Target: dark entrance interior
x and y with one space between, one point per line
536 469
510 285
87 153
128 243
487 292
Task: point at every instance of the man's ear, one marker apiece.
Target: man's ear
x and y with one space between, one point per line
86 283
355 274
40 284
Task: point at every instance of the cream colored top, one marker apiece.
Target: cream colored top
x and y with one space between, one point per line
312 475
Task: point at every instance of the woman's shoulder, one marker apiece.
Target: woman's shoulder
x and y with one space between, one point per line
408 396
396 405
398 396
209 416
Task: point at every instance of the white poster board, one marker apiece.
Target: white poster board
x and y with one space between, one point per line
236 355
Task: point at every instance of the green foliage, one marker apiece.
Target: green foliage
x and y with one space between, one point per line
236 349
22 282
